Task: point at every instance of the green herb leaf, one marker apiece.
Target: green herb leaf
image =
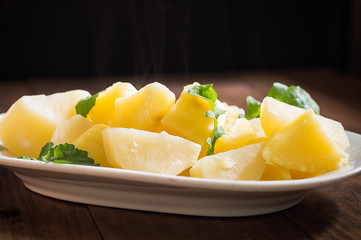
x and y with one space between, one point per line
62 153
210 114
278 91
253 108
293 95
219 111
208 93
217 133
45 149
85 105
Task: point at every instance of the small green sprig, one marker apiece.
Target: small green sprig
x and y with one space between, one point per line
84 106
62 153
253 108
208 93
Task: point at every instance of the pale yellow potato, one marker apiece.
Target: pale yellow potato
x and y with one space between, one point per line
148 151
304 145
145 109
237 135
245 163
30 122
275 115
92 142
187 119
104 110
68 130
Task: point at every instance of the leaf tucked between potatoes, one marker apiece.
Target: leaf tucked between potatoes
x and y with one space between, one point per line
293 95
85 105
62 153
208 93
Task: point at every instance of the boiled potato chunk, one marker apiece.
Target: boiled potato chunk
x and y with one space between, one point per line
145 109
275 115
335 130
304 145
232 114
30 122
245 163
272 172
104 110
148 151
237 135
68 130
92 142
187 119
256 125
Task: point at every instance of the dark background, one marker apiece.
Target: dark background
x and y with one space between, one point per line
102 38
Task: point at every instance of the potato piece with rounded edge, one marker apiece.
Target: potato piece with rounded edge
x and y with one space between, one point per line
245 163
275 115
187 119
104 110
70 129
236 136
30 122
145 109
92 142
304 145
140 150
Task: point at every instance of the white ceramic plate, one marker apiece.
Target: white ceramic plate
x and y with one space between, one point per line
171 194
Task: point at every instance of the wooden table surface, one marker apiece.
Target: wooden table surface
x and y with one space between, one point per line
332 212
